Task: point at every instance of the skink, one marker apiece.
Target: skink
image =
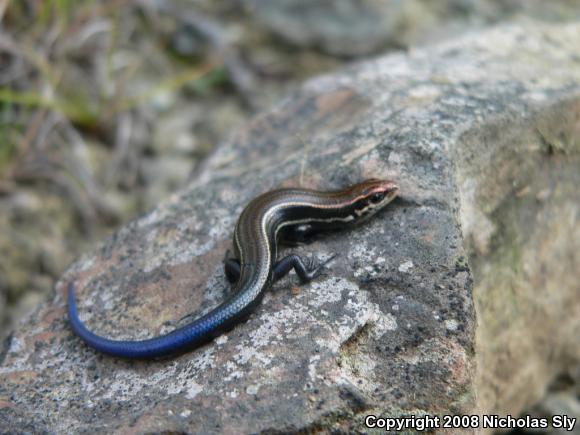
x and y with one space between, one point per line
287 215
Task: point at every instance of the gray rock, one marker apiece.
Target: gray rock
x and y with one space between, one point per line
362 27
482 136
343 27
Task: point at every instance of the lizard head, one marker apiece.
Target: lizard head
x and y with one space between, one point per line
371 195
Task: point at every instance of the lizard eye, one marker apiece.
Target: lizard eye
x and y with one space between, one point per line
377 197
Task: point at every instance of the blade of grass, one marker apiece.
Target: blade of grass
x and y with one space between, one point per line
77 113
172 83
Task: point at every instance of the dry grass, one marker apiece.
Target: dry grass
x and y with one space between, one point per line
81 87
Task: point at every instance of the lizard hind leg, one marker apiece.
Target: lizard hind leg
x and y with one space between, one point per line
231 268
306 270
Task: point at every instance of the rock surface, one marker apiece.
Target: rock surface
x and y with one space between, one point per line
482 135
358 27
342 27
